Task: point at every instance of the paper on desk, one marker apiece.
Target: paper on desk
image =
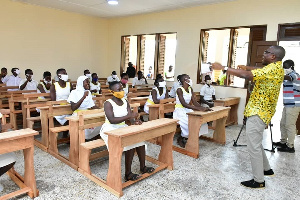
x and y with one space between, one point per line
205 68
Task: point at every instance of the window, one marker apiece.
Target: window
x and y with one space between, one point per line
153 54
228 46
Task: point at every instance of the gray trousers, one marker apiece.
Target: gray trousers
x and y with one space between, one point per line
288 125
259 161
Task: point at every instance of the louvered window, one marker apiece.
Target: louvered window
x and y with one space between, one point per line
289 32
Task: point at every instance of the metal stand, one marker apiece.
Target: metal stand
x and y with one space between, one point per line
235 141
273 147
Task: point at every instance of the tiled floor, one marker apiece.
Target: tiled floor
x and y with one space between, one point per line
215 175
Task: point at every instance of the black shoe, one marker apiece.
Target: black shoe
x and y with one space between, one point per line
286 149
253 184
269 172
181 141
279 144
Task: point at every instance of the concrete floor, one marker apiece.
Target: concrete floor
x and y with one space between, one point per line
215 175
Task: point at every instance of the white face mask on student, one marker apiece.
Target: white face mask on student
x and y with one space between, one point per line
17 71
287 71
114 76
31 76
45 81
208 82
162 84
89 75
190 82
63 77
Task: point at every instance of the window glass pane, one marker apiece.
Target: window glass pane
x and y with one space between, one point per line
133 50
169 56
149 55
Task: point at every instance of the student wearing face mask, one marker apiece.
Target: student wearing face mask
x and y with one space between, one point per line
28 83
112 77
44 86
88 74
95 86
60 91
82 99
174 88
186 102
207 93
291 109
117 111
14 79
158 92
124 81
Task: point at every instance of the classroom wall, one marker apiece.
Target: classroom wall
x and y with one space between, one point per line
188 23
47 39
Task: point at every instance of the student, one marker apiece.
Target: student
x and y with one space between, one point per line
124 81
28 83
150 75
95 86
112 77
44 86
184 98
207 93
139 80
4 76
87 73
82 99
14 79
60 91
169 74
117 111
158 92
174 88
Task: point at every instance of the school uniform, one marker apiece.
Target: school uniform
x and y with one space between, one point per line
13 81
4 79
136 81
31 85
62 94
95 87
150 98
174 88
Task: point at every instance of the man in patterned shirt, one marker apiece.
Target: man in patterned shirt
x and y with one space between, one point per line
260 108
291 110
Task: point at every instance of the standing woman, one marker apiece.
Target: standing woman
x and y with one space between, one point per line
159 92
186 102
82 99
95 86
117 111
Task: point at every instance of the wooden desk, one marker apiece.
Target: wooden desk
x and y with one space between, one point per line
197 118
157 111
126 136
233 103
140 100
21 140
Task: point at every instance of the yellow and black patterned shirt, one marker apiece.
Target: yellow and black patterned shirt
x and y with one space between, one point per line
263 99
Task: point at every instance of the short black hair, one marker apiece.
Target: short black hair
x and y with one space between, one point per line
113 72
123 75
158 76
112 84
289 64
182 76
130 64
27 71
13 69
85 71
178 77
59 70
93 74
46 73
207 76
139 72
3 68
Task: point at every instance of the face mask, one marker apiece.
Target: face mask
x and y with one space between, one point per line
45 81
208 82
95 79
17 71
64 77
119 95
124 81
287 71
190 83
162 84
114 76
89 75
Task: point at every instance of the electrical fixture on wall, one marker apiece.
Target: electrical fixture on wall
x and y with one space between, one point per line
112 2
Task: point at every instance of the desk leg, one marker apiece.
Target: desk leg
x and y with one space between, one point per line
233 114
192 144
114 177
74 143
29 177
153 113
166 154
219 133
45 128
24 115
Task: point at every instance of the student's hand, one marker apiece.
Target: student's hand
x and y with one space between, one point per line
86 93
138 122
133 115
211 105
28 78
216 66
204 109
243 67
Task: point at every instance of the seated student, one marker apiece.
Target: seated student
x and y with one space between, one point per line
88 74
117 111
112 77
82 99
124 81
184 98
95 86
4 76
7 160
14 79
60 91
158 92
207 93
139 80
28 83
44 86
174 88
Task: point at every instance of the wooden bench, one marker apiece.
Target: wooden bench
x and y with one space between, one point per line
20 140
5 114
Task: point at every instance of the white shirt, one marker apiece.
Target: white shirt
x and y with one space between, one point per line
5 79
62 93
207 92
174 88
111 79
31 85
95 87
136 81
13 81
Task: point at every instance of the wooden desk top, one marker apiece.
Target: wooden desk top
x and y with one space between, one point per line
13 135
139 98
88 116
208 113
146 126
227 99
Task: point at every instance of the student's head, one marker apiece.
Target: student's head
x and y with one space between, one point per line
160 82
150 68
170 68
15 71
62 74
83 83
185 80
28 72
94 77
140 74
114 73
288 66
273 54
87 73
47 76
117 89
159 76
3 72
124 78
130 64
178 77
207 79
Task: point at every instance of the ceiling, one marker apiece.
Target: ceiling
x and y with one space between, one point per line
100 8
